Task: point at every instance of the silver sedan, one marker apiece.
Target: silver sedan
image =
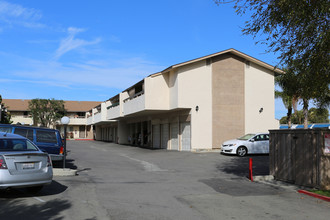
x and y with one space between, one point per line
23 164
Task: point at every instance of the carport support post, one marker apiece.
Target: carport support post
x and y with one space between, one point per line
65 121
250 170
64 150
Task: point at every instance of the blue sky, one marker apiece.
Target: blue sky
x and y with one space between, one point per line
92 50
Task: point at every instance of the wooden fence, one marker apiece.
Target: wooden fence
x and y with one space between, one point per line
301 156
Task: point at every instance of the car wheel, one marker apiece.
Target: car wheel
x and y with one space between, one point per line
241 151
34 189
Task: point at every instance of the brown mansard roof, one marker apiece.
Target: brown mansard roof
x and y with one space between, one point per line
70 106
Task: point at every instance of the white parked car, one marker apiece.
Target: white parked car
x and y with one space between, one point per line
248 144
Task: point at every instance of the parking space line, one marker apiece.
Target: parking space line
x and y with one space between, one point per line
40 200
147 166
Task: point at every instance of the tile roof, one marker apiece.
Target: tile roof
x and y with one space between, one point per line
70 106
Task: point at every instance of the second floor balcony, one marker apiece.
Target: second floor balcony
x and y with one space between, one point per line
80 120
89 120
97 117
134 104
113 111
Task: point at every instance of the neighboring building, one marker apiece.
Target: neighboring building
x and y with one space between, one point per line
193 105
76 111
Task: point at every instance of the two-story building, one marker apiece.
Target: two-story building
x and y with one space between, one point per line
191 106
76 111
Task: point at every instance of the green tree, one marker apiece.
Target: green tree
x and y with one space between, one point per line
46 111
318 115
315 115
5 117
299 30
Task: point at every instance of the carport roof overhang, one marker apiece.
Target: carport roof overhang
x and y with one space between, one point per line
109 122
147 113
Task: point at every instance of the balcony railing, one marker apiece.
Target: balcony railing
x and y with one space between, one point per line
113 112
113 105
97 117
77 120
89 120
133 105
133 97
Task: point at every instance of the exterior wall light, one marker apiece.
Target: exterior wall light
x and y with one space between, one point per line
261 109
197 108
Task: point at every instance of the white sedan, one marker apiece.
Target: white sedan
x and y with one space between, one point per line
248 144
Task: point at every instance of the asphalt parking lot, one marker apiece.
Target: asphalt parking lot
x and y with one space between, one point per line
124 182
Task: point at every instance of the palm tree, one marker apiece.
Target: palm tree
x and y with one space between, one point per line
289 93
287 101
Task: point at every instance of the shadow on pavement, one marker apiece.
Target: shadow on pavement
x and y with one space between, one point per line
14 206
17 209
239 187
240 165
53 189
69 163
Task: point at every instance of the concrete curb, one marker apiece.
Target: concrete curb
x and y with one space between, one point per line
270 180
325 198
64 172
267 178
79 139
198 151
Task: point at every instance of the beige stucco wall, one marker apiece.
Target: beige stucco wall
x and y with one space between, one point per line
173 89
18 117
228 98
194 88
156 87
259 93
122 97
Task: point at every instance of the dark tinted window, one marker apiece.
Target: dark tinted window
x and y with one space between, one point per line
20 131
262 137
16 145
28 133
46 136
5 129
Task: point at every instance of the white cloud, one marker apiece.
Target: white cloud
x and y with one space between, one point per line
108 73
14 14
71 43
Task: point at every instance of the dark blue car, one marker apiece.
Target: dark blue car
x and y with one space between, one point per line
47 140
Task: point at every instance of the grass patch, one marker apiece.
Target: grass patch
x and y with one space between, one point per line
321 192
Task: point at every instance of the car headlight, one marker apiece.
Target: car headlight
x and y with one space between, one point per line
231 145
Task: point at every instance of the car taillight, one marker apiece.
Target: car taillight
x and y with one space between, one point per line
3 164
61 150
49 162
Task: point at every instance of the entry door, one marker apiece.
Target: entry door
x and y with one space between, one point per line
185 136
81 131
174 136
165 135
156 136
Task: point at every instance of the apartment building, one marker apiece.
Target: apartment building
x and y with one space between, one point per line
191 106
76 111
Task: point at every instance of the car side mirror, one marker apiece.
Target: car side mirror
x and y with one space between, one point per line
252 140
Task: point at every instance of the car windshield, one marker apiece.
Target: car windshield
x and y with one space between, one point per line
17 145
246 137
